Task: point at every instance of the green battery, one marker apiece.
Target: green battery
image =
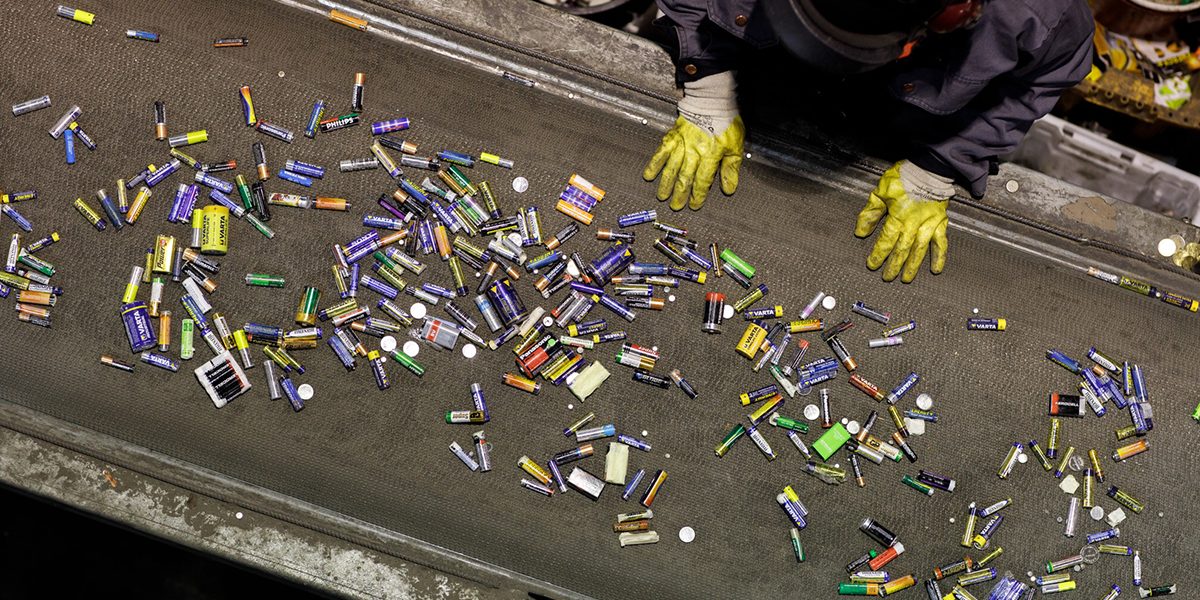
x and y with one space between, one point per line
736 262
408 362
797 549
858 589
789 423
264 280
916 485
243 189
306 313
734 434
186 328
461 179
35 263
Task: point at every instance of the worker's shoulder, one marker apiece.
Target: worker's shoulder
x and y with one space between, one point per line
1041 18
1046 14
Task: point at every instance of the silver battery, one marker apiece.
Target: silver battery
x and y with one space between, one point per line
65 121
272 380
440 332
29 106
585 482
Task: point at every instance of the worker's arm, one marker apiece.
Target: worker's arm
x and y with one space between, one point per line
707 138
1019 60
706 37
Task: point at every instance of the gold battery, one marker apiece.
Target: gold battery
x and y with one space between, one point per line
164 254
752 340
214 230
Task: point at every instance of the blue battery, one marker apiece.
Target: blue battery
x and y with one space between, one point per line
295 178
352 289
304 168
546 259
506 301
382 127
899 391
383 222
642 268
314 118
69 143
438 290
457 158
378 286
289 390
1064 361
214 182
637 218
1139 383
633 442
632 486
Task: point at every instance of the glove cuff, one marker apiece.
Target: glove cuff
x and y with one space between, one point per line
710 103
920 184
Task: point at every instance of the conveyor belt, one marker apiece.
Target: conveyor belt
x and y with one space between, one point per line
381 457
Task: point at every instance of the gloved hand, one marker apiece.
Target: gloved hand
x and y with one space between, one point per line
708 133
914 201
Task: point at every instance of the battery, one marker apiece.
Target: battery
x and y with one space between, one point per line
214 236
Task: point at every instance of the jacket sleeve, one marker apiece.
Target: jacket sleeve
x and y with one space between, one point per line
1020 67
707 37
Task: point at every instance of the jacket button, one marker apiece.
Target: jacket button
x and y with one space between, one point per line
909 87
740 20
691 69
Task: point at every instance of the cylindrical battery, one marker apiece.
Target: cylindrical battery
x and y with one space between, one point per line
714 312
214 235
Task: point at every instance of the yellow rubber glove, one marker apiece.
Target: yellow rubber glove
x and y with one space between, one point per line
914 201
688 159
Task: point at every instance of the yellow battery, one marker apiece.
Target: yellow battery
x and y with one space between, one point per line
76 14
766 408
806 325
214 235
752 340
164 254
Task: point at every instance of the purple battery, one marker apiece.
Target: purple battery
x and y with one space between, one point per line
504 297
637 218
138 327
162 173
396 212
189 203
379 222
304 168
378 286
382 127
214 182
425 237
613 261
352 290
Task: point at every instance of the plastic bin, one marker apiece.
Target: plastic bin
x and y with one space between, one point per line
1092 161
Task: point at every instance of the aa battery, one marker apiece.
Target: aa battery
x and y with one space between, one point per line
29 106
65 121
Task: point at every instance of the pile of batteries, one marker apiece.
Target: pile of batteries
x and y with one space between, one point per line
632 528
23 271
1105 380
